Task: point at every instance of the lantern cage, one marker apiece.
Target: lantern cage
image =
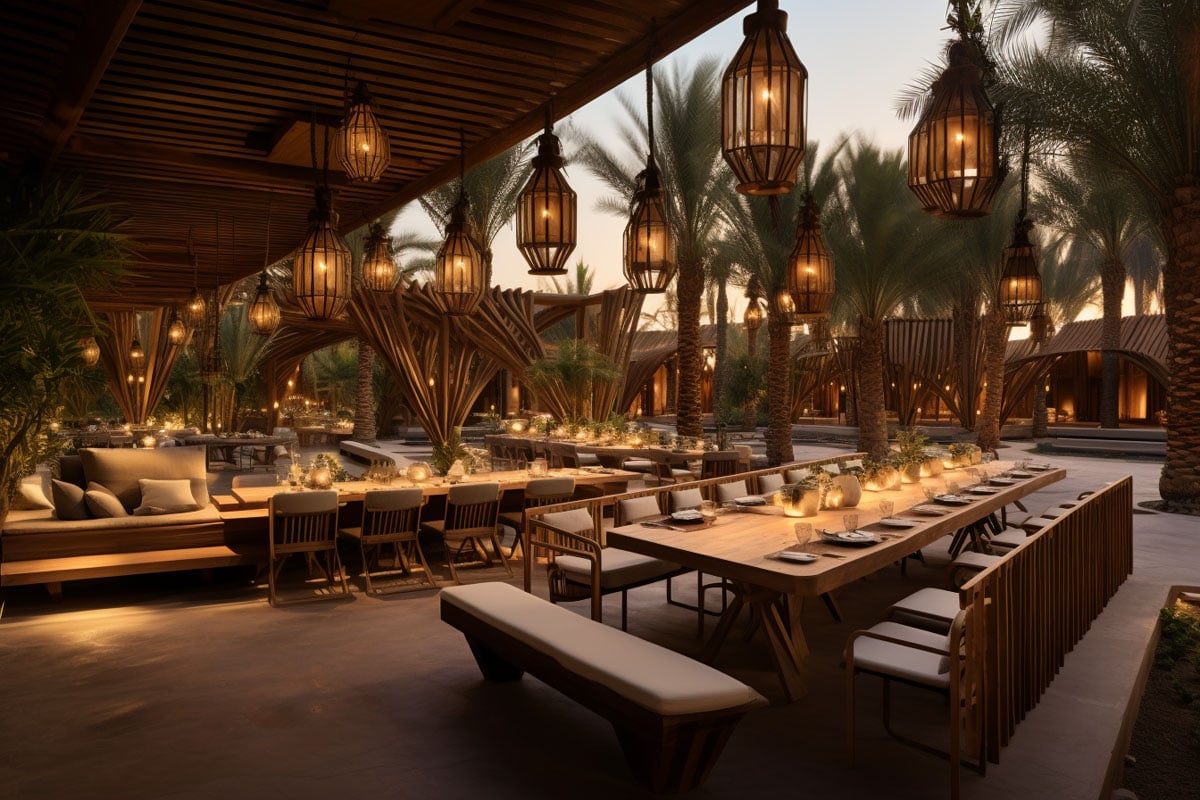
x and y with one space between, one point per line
263 312
1020 283
547 221
810 268
89 351
459 271
362 143
321 271
177 332
753 318
763 111
953 152
649 246
379 263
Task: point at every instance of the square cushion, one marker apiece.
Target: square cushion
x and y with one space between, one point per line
30 496
165 496
69 502
120 470
101 502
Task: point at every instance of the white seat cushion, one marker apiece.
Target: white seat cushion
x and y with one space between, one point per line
655 678
969 558
928 607
1035 524
638 465
938 552
909 663
1010 537
634 509
618 568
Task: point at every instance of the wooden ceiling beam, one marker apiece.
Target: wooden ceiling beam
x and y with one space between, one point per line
101 31
204 164
631 60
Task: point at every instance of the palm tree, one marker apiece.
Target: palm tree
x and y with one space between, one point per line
761 232
884 251
1117 83
581 283
570 375
334 374
694 175
1097 206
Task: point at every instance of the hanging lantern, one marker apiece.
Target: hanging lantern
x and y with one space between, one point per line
783 306
819 333
379 265
1039 325
263 312
546 210
362 143
212 360
753 317
649 247
953 153
177 332
763 106
195 308
810 269
459 269
321 267
1020 284
89 351
137 356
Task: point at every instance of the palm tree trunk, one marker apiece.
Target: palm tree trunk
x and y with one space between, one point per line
1112 287
779 426
721 369
364 396
995 341
1040 421
750 410
872 414
691 287
1180 481
963 323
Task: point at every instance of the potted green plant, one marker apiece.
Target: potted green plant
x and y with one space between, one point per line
57 243
447 451
910 453
878 475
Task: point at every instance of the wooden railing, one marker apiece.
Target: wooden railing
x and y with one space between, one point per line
1039 601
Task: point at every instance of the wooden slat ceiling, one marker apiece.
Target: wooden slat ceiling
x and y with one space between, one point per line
193 115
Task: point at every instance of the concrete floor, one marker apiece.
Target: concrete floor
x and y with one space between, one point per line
167 686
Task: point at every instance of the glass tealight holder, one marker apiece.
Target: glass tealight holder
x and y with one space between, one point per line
886 507
804 532
850 521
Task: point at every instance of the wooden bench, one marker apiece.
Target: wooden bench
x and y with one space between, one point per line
53 571
672 714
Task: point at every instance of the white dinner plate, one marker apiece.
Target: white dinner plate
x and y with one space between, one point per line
982 490
1002 481
933 511
750 500
849 537
1019 474
793 555
898 522
952 499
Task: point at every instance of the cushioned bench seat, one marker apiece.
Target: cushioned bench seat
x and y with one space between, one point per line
672 714
20 523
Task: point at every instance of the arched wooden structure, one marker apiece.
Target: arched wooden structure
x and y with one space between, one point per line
137 393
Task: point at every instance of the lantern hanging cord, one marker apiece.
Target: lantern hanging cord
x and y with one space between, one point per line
650 89
1025 174
267 244
462 165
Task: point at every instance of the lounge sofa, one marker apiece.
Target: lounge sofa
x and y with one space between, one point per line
38 547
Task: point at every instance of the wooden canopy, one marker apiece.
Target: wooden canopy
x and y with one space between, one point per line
192 115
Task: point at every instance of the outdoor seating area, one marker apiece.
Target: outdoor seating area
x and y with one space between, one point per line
403 399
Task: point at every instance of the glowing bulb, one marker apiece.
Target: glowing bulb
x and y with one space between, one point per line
365 147
321 266
545 213
958 137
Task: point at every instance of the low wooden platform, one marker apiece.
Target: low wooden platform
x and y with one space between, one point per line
53 571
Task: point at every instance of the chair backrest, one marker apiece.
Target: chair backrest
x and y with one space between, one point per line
715 465
745 453
261 479
544 491
303 520
577 520
563 455
686 498
634 509
797 475
769 483
728 492
472 506
387 512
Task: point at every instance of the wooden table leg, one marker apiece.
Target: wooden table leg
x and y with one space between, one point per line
786 638
724 624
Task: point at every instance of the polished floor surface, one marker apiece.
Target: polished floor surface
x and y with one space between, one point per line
169 686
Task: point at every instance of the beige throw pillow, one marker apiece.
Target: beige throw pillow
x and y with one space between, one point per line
165 497
102 502
68 501
31 497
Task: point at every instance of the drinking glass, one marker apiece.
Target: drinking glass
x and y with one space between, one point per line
708 510
850 521
988 457
930 492
886 507
804 532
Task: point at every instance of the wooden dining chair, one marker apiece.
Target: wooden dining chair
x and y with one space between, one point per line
391 517
538 492
719 464
471 521
304 523
665 470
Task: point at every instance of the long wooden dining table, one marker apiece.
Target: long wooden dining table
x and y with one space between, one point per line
351 491
742 547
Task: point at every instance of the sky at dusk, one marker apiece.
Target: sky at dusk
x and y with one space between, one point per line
860 54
